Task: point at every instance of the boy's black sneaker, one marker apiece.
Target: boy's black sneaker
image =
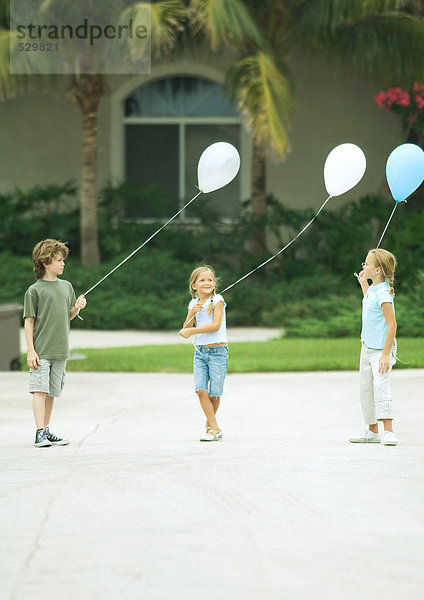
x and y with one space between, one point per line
54 439
41 440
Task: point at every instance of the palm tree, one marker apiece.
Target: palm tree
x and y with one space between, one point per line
377 37
86 92
384 38
88 86
258 79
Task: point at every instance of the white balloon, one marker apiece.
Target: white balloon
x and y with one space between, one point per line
217 166
344 168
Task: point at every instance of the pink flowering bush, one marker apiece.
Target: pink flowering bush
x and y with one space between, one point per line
409 104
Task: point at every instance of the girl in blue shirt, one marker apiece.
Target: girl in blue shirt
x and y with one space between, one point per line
206 320
378 353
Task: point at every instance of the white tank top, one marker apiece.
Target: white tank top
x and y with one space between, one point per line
203 318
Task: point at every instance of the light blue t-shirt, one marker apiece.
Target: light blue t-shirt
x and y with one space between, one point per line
203 318
374 325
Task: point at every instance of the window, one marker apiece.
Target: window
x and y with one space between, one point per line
168 123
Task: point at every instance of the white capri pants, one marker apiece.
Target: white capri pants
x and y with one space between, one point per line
376 397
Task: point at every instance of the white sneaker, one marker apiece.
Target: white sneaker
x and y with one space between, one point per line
389 439
366 437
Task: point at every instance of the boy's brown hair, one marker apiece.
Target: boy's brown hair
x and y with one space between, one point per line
44 252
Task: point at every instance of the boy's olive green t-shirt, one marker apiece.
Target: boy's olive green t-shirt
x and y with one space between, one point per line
50 303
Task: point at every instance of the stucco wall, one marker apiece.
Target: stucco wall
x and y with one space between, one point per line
332 108
40 138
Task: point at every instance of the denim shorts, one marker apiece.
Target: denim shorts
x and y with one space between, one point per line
210 367
48 378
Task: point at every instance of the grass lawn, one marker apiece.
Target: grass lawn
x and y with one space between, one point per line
275 355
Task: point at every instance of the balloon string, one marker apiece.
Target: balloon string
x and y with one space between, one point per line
139 248
387 224
277 253
269 259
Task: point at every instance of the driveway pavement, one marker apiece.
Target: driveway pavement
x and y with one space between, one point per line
83 338
136 508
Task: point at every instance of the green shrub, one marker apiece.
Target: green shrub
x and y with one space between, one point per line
27 216
309 290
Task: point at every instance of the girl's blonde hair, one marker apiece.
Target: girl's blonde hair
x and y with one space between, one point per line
44 252
193 277
387 263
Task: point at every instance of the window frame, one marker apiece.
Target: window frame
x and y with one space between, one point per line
182 122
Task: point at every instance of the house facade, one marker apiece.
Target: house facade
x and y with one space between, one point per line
153 128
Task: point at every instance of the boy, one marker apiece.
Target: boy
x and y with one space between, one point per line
49 306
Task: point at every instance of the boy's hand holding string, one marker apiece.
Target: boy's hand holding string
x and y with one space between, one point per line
80 303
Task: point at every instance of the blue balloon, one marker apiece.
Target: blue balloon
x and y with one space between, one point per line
405 170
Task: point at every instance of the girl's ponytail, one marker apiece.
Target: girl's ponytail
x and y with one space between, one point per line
387 263
210 307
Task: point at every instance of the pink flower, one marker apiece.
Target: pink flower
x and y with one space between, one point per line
381 99
408 103
398 96
419 101
404 99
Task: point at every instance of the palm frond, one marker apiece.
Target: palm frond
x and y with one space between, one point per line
12 85
313 20
264 93
101 13
226 22
391 47
4 14
372 37
166 19
8 85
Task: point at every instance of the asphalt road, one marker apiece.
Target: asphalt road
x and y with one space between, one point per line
136 508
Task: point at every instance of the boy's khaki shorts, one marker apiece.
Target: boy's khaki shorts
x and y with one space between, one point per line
48 378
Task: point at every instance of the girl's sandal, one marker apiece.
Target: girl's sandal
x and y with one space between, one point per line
211 435
217 433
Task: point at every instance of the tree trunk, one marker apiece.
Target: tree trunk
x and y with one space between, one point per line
85 91
258 202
